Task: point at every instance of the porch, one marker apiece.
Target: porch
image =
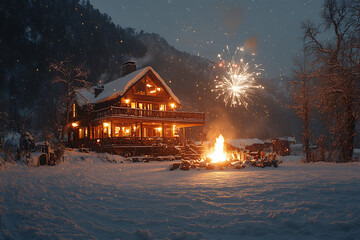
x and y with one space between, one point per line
154 115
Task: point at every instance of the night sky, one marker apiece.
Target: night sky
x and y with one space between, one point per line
204 28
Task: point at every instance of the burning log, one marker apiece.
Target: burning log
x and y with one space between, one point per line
219 159
185 165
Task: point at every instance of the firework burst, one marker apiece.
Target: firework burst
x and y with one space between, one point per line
238 83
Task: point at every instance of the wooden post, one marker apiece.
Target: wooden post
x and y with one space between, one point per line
102 130
202 135
184 138
141 131
163 130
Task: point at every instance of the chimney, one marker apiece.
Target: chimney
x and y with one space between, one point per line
98 89
129 67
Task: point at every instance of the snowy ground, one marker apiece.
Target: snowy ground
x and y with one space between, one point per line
86 198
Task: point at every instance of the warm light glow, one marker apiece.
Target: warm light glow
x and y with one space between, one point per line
74 124
148 85
218 155
117 132
158 129
74 110
127 101
162 107
174 131
107 128
172 105
158 89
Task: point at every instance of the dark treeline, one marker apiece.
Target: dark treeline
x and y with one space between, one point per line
326 84
34 34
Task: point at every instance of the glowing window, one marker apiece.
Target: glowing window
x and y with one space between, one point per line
117 132
107 129
126 131
81 132
152 89
74 110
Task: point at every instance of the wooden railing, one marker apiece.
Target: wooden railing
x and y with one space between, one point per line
145 113
127 141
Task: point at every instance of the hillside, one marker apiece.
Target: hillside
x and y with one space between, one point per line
71 29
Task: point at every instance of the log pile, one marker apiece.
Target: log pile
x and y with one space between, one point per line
266 161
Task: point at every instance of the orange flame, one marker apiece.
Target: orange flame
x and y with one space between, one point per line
218 155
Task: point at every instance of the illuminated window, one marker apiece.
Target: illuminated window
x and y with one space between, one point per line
74 110
107 129
151 88
174 131
141 106
133 105
162 107
81 132
117 132
158 132
126 131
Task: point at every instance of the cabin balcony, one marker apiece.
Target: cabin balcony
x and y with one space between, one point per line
150 115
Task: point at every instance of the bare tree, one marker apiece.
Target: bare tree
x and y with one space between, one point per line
72 78
302 94
338 72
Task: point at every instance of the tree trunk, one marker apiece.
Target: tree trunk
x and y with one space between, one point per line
306 133
65 128
347 146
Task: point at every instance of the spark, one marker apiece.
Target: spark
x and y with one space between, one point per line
238 83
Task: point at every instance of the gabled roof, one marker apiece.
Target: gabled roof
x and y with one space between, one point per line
119 87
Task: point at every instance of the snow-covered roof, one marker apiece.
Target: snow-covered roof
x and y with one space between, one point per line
241 143
290 139
119 87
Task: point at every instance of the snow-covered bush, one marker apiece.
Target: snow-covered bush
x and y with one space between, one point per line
11 146
27 142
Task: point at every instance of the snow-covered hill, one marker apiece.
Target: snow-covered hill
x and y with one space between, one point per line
87 198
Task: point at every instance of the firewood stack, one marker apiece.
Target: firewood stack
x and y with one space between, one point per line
268 161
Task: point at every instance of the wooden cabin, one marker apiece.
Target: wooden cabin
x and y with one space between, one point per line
136 109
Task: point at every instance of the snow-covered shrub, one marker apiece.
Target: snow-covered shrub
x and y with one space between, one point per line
27 142
11 146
